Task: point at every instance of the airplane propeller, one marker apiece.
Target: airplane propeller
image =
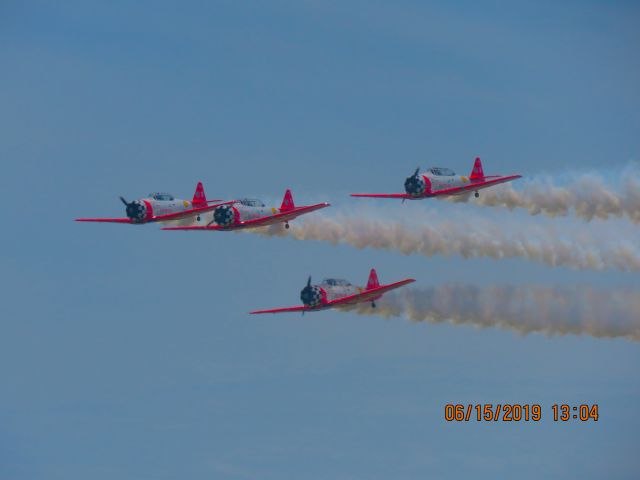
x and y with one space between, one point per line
310 295
135 210
306 291
414 185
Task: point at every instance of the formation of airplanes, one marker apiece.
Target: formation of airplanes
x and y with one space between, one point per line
244 213
229 215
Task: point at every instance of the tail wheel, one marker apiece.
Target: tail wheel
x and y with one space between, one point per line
477 194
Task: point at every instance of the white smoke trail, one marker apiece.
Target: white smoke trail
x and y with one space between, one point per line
568 247
524 309
588 196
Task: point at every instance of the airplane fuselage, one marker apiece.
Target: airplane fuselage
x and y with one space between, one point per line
440 183
316 296
228 216
335 292
141 211
249 212
434 180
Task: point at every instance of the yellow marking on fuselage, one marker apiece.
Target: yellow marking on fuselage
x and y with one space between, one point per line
464 179
185 203
274 210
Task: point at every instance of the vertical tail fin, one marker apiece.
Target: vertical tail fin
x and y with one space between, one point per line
373 280
287 202
199 198
477 171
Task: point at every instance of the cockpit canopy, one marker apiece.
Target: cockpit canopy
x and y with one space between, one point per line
441 172
251 202
336 282
163 197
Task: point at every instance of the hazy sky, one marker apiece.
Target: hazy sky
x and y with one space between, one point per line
127 352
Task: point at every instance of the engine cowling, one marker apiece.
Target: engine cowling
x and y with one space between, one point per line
417 185
312 296
226 215
137 211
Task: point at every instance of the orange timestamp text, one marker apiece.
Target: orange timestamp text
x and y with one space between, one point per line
518 412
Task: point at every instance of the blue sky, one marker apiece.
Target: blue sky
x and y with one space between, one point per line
127 352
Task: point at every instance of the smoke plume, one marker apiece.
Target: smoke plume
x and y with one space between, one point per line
524 309
588 196
474 238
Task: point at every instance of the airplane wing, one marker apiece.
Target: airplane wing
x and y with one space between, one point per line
283 216
159 218
368 294
383 195
262 221
105 220
282 310
487 182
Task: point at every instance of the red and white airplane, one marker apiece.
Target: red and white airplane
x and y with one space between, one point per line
337 293
443 181
252 213
161 207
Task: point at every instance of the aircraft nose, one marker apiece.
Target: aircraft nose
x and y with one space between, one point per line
311 296
414 185
136 210
224 215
